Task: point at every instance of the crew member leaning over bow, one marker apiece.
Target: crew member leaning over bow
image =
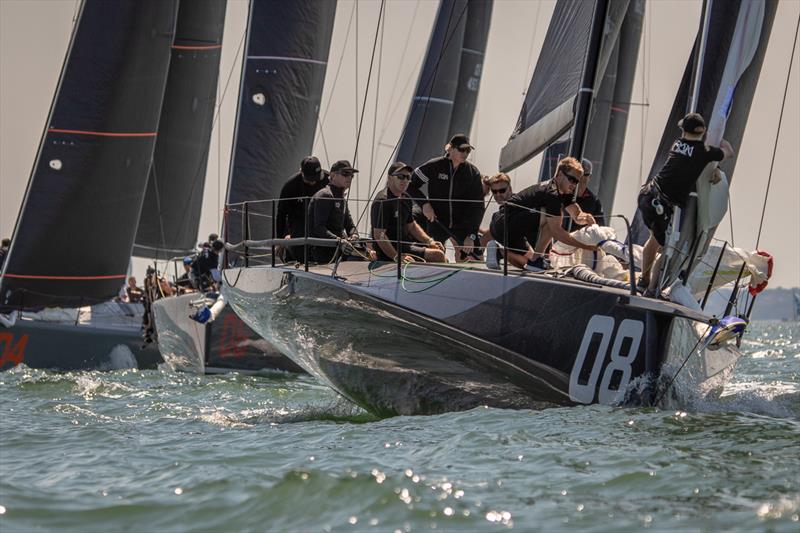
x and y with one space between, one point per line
451 179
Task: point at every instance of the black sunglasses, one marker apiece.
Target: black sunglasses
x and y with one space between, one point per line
465 150
499 191
402 176
572 179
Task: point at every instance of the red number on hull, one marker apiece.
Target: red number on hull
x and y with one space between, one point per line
12 354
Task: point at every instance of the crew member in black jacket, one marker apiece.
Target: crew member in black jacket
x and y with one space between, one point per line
330 218
453 204
290 221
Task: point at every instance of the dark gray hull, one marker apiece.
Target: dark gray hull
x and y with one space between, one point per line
473 338
67 347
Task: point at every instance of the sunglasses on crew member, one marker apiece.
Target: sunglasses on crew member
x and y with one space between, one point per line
401 176
499 191
347 174
572 179
464 150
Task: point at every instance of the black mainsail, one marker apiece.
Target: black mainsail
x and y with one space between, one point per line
73 238
173 201
735 44
280 93
548 111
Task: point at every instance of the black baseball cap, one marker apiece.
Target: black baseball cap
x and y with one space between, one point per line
343 166
692 123
398 166
460 141
311 168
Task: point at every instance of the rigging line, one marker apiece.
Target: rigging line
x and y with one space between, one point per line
366 90
358 128
369 78
778 133
397 73
402 132
528 74
382 24
336 76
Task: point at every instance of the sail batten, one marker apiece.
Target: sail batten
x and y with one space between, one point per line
73 238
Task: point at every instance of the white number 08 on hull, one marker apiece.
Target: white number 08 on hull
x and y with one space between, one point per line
584 392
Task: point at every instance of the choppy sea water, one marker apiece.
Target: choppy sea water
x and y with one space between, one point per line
158 451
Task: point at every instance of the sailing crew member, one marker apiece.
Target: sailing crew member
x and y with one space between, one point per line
385 212
687 158
586 199
453 204
522 215
330 217
133 292
290 221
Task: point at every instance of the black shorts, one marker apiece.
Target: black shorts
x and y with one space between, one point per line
658 224
523 229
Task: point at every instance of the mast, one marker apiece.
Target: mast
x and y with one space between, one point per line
583 103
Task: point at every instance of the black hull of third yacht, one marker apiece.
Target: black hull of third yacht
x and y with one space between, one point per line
466 338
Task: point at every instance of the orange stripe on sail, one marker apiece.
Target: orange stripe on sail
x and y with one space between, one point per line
102 133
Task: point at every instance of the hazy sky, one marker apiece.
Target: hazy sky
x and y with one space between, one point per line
34 35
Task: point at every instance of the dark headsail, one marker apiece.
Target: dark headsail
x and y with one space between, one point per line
172 204
281 88
73 238
548 110
470 68
428 119
736 42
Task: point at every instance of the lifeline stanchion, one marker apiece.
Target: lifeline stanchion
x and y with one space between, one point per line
397 244
246 227
305 241
713 276
273 232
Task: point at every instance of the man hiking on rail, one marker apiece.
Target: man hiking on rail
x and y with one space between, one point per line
687 158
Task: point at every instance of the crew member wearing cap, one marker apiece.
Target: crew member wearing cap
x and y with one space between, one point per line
185 283
290 221
454 203
393 204
687 158
519 218
329 216
586 199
